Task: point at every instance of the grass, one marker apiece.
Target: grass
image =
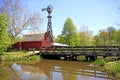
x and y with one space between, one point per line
18 55
99 62
81 58
113 68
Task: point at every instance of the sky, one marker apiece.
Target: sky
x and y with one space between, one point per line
95 14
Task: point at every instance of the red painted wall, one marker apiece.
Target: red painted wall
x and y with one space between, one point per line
16 46
31 45
45 42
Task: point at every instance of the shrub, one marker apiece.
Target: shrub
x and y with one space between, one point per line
2 48
99 62
113 68
118 75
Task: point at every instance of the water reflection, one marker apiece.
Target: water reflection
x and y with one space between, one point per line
58 70
6 73
25 73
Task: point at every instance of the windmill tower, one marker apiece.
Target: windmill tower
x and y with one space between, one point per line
49 32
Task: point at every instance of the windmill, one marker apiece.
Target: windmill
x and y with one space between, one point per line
49 34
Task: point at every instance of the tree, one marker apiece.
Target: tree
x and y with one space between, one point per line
104 37
85 36
112 33
58 39
111 29
107 37
4 37
69 33
96 40
101 39
19 19
117 37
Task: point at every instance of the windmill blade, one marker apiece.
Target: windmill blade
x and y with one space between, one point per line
43 9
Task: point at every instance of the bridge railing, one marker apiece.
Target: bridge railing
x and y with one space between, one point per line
83 50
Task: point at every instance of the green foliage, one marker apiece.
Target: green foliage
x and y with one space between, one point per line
2 49
58 39
69 28
69 33
85 37
117 37
107 37
3 26
96 40
111 29
100 62
113 68
4 37
34 57
103 38
118 75
19 18
70 36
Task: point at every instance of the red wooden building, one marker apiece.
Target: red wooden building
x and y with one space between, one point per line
33 41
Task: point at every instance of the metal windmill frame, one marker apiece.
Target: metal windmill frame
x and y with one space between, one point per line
49 24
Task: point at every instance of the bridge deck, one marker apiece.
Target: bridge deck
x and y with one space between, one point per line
81 51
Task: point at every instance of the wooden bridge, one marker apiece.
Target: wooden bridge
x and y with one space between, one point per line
71 53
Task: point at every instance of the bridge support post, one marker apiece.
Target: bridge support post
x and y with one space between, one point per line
119 51
90 58
74 58
65 57
69 57
86 58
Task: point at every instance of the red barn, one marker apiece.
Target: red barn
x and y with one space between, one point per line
33 41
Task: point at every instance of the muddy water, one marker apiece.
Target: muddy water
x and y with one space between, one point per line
51 70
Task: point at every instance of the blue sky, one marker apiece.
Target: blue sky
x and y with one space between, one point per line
96 14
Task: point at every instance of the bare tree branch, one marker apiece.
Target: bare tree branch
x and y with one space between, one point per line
19 18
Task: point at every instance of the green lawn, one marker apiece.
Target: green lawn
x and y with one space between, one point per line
18 55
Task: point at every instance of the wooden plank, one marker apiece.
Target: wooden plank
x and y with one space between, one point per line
83 50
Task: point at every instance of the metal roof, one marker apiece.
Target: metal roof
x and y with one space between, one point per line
59 44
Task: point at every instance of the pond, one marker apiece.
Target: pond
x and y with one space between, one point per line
51 70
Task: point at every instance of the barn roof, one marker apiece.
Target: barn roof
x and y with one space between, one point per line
33 37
